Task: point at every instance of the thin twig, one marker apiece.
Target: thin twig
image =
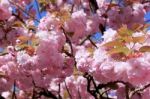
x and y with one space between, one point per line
68 41
68 90
14 91
72 8
23 10
18 17
1 97
92 42
82 42
59 91
105 91
139 90
79 94
71 47
93 5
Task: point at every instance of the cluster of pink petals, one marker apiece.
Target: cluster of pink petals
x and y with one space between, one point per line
77 87
127 15
49 22
50 65
5 12
82 25
134 70
105 68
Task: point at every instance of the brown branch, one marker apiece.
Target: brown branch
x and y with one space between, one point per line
1 97
19 18
139 90
82 42
145 1
14 91
68 41
92 42
93 5
79 94
59 91
95 91
127 91
71 47
72 8
88 38
68 90
105 91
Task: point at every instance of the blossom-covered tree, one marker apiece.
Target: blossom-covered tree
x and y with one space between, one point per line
58 57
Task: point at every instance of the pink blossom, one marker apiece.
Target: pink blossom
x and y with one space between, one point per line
109 35
146 94
83 59
5 3
77 25
5 13
126 16
48 55
100 3
77 86
49 22
139 73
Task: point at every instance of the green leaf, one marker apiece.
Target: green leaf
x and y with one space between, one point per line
116 50
17 24
65 93
31 27
124 31
23 39
52 1
137 27
139 39
21 46
35 42
90 50
145 49
127 39
114 43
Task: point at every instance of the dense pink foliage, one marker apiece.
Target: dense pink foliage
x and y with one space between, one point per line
58 52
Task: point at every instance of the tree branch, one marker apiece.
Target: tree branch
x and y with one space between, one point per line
68 90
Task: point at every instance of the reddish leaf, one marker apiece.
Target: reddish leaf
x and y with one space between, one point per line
145 49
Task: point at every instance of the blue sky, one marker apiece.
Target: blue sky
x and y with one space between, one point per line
147 17
39 14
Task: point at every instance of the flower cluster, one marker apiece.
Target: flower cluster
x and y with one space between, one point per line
59 57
